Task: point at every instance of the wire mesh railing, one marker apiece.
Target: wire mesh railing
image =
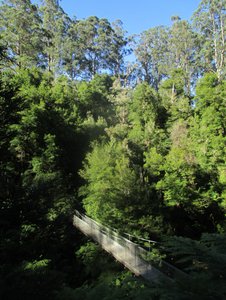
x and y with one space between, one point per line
113 231
136 258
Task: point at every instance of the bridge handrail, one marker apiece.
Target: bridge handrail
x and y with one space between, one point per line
165 267
114 231
91 221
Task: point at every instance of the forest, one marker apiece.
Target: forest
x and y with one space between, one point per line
131 131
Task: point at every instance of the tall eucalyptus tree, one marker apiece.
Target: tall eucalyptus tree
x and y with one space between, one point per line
20 29
151 53
209 22
55 24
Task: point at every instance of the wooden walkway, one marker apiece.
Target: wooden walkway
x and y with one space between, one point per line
125 251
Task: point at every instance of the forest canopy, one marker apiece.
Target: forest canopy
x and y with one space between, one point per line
136 144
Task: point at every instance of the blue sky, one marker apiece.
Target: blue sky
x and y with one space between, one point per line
136 15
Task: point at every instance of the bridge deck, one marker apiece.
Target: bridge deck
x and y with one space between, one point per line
126 254
125 251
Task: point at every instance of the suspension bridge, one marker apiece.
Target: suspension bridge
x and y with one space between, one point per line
130 254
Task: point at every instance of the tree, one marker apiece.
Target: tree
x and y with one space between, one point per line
72 53
174 97
55 24
151 52
182 47
4 58
193 168
94 97
39 161
208 134
178 184
21 32
118 49
209 22
120 99
110 194
142 115
92 39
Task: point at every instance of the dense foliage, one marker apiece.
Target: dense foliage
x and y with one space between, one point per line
139 146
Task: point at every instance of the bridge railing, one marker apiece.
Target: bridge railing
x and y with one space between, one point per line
124 251
139 252
125 238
